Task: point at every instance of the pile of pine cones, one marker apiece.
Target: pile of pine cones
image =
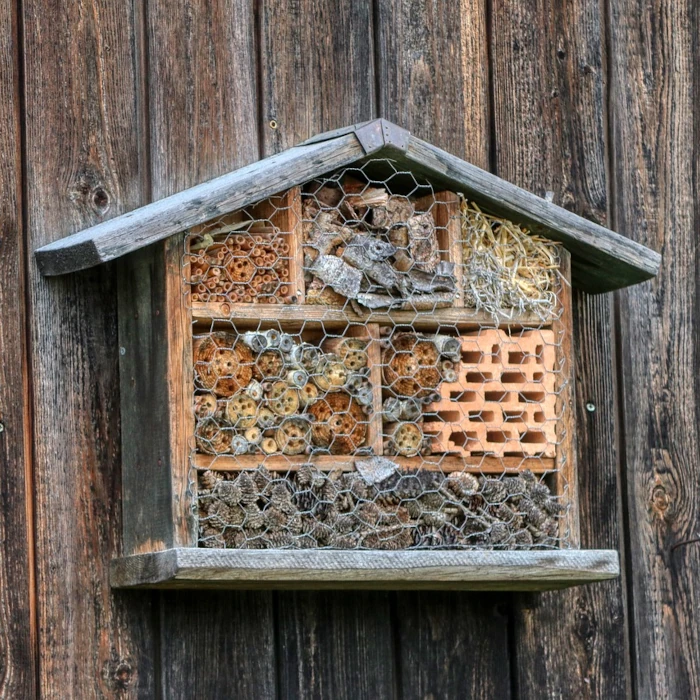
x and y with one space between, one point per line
260 509
240 268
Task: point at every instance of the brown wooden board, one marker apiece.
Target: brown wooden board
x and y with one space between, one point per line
451 648
203 110
82 159
17 586
654 101
549 106
155 379
216 651
334 654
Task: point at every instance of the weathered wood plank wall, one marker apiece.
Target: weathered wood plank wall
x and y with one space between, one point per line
107 105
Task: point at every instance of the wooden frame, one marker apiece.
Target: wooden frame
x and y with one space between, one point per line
409 569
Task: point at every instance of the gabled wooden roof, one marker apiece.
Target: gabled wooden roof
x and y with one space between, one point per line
602 260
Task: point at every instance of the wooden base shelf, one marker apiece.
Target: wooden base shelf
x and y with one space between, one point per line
243 315
408 569
446 463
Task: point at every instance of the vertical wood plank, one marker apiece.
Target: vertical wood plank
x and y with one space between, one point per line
203 122
343 653
17 587
317 68
452 645
566 477
221 645
433 73
318 74
549 107
82 155
655 97
433 78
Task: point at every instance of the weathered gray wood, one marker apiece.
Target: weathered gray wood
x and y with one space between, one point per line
203 123
82 166
454 645
335 644
454 570
175 213
219 645
549 106
310 85
654 99
18 631
433 63
155 376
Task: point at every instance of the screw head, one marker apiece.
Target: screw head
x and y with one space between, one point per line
590 407
122 351
2 427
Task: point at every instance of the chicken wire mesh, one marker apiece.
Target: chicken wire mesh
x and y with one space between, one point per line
406 390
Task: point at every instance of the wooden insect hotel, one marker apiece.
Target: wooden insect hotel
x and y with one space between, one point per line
351 364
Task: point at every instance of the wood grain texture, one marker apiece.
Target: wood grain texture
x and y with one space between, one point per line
155 370
216 651
317 69
444 657
433 73
203 114
192 206
452 569
655 97
82 156
602 260
549 105
334 655
418 51
18 633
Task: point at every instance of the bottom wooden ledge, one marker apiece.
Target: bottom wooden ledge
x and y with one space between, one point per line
408 569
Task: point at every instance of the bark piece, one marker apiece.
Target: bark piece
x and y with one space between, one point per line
336 273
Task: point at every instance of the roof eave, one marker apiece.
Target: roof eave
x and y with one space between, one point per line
601 259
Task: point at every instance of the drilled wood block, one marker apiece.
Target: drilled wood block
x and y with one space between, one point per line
504 399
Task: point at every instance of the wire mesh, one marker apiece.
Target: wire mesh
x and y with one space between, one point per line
376 365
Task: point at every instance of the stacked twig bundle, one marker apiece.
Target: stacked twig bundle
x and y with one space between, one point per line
306 509
247 267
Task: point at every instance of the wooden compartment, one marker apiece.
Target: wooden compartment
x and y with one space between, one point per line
249 257
320 336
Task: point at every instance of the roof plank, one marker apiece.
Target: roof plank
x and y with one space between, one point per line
601 259
154 222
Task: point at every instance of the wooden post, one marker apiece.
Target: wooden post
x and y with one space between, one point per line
566 475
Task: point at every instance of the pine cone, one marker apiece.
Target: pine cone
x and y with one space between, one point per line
249 491
493 491
229 492
208 479
462 484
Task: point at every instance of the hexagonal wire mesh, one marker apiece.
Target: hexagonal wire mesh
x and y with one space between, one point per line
376 365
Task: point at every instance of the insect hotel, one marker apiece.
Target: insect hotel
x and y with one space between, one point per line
351 364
